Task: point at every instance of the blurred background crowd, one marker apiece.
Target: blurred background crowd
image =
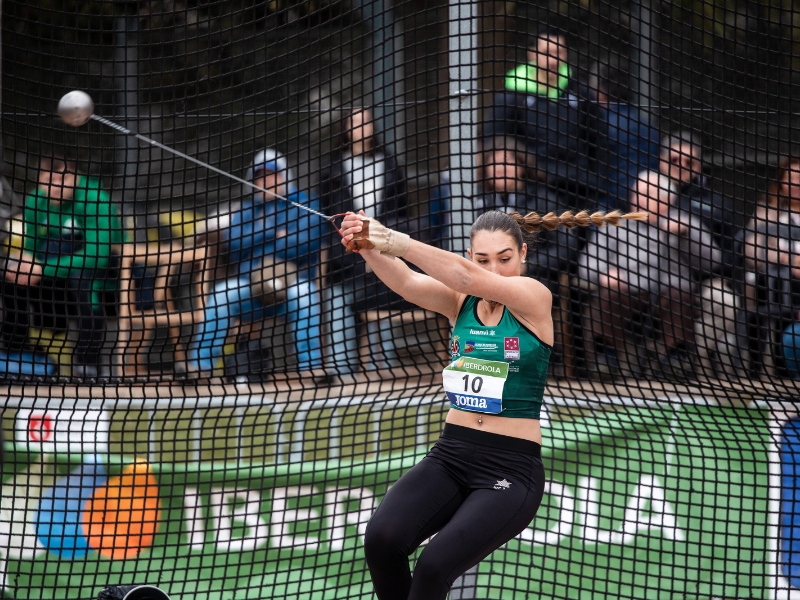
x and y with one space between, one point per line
107 282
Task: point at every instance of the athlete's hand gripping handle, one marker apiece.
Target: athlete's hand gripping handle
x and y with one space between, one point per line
368 233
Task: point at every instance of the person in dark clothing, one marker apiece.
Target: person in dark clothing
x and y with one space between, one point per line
632 143
681 160
510 181
554 114
360 175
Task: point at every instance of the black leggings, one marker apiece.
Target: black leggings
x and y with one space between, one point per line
477 490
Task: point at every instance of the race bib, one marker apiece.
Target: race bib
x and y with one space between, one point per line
475 384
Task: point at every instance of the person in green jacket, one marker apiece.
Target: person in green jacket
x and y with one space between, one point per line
555 115
70 227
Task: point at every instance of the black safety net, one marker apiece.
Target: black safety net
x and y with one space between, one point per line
205 391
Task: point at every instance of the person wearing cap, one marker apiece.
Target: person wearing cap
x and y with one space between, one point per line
266 228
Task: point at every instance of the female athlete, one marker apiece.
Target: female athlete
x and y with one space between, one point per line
483 481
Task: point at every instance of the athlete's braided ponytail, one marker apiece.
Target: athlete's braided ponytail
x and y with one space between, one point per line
534 222
514 223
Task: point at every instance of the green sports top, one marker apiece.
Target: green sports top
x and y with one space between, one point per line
495 370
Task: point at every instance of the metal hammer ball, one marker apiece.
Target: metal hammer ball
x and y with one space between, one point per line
76 108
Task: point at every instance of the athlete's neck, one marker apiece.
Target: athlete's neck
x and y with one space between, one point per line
491 305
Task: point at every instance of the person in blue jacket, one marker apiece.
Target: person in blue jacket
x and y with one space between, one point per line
633 144
264 227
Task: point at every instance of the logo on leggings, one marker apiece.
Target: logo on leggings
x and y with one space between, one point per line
502 484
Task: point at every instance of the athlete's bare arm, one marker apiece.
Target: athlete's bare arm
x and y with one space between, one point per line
418 288
453 276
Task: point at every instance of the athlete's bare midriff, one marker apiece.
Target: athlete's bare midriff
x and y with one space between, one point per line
526 429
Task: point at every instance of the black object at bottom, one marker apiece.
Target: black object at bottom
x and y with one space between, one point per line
132 592
475 497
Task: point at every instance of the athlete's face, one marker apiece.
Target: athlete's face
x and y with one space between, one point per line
497 251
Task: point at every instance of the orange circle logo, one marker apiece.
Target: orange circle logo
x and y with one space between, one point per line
121 517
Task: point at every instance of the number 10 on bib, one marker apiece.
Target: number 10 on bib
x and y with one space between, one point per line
475 384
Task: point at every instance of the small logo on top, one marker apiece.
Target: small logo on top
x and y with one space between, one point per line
511 348
469 346
455 346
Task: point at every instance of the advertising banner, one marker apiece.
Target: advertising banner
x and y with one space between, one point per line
644 503
669 503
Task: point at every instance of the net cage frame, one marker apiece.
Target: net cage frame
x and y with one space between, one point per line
165 424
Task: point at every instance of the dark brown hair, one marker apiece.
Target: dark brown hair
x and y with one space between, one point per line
547 31
56 162
517 226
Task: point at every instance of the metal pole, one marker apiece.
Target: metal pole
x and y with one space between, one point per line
645 62
126 72
463 69
5 203
462 41
387 71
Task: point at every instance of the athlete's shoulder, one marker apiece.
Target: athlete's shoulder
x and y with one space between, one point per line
540 290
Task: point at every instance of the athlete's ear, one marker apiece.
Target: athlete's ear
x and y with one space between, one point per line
469 253
523 254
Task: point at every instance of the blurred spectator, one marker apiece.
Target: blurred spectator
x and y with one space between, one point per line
552 113
772 252
263 231
763 245
633 145
360 175
69 230
511 182
646 270
681 160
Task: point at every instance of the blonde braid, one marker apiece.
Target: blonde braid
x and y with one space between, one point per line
533 222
